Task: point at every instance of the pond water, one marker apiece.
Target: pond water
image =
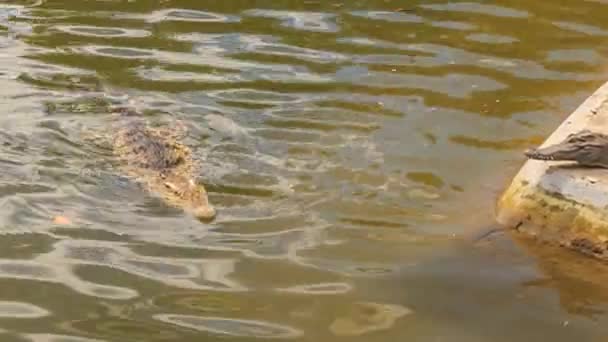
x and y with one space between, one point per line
354 152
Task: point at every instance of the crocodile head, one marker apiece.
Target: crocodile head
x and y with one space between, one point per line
185 193
585 147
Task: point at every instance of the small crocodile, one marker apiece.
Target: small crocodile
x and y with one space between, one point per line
586 148
165 166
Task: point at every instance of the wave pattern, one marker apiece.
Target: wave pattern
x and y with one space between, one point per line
344 146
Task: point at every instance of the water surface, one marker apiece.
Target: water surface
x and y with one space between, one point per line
352 149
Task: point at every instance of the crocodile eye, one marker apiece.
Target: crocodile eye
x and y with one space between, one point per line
172 187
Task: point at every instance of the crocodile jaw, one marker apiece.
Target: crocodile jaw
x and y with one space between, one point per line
534 154
553 153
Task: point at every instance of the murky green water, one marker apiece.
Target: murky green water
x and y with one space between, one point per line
351 149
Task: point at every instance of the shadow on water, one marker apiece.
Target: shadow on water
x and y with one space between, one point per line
353 150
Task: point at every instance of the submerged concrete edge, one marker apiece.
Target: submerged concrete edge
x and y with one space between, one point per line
563 203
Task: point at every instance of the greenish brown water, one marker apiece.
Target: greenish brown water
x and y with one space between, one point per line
348 147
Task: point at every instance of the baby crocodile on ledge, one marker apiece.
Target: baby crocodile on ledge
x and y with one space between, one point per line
587 148
164 165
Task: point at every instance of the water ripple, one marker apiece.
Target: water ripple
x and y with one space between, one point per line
389 16
232 327
491 38
475 7
307 21
454 25
107 32
58 338
181 15
430 55
315 289
452 85
581 28
574 55
260 44
21 310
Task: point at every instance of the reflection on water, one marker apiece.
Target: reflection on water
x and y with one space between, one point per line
348 148
367 317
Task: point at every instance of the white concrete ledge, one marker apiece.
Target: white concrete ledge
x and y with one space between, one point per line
558 201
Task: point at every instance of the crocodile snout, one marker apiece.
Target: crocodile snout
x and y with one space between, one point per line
205 213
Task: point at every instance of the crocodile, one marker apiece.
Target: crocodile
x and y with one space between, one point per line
156 158
586 148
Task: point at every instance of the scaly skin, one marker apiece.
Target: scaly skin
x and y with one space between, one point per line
163 164
585 148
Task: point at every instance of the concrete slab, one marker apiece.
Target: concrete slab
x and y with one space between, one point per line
558 201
